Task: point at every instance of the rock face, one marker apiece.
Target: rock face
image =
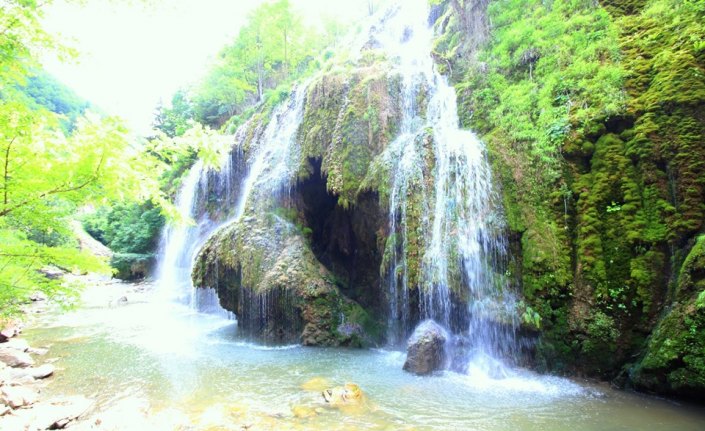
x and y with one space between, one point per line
674 361
426 349
279 291
302 262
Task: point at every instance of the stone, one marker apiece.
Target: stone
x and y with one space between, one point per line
425 351
38 296
15 358
17 344
42 371
41 351
303 412
316 384
9 332
54 414
18 396
16 376
343 395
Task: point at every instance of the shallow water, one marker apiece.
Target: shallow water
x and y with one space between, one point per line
193 366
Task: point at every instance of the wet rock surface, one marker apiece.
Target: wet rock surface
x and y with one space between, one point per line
426 349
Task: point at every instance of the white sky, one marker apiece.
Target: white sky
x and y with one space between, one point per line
135 53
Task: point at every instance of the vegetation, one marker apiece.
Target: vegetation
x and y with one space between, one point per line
590 113
272 50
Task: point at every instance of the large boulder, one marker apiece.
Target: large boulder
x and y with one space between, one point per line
263 271
426 350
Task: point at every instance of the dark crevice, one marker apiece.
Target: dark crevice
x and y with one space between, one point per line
345 241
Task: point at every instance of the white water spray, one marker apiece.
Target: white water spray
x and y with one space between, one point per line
454 204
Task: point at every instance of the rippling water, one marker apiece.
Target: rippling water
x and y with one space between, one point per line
192 366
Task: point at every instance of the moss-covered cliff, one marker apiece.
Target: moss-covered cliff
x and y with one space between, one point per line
304 255
593 115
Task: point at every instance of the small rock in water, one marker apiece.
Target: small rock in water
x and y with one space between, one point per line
38 296
9 332
41 351
17 344
16 376
426 349
343 395
316 384
15 358
303 412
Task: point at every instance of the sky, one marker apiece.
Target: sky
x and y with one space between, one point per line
135 54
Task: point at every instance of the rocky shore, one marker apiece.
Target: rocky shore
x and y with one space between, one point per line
24 373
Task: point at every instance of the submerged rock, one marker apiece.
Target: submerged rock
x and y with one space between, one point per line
316 384
426 349
343 395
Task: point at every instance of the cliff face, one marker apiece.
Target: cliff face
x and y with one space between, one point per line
593 116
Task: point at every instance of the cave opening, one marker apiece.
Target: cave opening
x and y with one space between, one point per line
347 241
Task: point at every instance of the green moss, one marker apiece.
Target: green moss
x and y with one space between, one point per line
593 121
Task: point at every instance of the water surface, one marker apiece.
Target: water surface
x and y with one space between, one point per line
191 365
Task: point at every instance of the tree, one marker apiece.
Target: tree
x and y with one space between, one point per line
47 172
271 49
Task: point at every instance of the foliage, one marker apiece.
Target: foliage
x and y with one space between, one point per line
47 172
46 92
175 120
22 37
126 228
272 48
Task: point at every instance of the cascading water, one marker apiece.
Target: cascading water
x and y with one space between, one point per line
449 211
237 186
180 242
441 203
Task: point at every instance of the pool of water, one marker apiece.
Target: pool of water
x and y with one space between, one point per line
191 366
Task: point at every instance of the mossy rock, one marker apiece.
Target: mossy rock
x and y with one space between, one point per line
674 362
264 272
132 266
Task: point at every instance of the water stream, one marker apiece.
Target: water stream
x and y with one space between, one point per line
178 364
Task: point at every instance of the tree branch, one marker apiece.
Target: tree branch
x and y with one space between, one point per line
60 189
7 172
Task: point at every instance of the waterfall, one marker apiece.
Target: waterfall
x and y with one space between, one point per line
237 185
444 253
450 211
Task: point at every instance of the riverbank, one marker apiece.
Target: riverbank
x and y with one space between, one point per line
27 371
